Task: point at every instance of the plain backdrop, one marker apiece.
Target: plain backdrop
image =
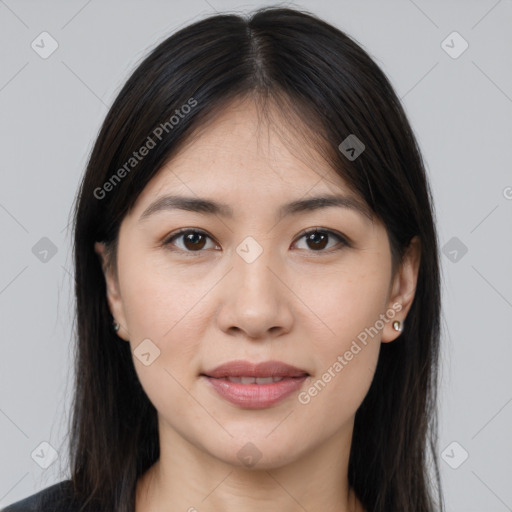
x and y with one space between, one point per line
459 104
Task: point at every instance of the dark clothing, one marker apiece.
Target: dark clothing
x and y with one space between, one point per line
56 498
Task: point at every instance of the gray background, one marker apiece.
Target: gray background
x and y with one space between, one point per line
460 108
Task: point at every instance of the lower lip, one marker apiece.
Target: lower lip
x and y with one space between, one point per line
256 396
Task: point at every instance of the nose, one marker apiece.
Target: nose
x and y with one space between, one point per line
255 302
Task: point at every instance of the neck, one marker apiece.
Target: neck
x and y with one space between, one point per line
186 478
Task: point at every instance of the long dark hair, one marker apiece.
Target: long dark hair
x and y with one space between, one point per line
314 73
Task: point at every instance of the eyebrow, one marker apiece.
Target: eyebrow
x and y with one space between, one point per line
209 207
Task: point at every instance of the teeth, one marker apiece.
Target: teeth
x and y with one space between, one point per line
254 380
264 380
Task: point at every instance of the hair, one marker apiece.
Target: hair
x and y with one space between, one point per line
312 72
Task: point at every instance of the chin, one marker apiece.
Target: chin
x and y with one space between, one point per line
259 452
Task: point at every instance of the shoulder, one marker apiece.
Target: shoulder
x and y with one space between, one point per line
56 498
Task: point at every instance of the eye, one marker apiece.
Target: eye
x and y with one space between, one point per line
193 240
317 239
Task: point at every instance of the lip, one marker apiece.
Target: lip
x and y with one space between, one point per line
255 396
240 368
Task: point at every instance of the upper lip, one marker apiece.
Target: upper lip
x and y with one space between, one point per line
247 369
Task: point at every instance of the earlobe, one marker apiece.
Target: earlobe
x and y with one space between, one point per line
403 290
114 298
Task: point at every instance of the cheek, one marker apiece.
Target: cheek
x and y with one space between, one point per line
348 302
346 364
164 308
158 299
331 398
347 353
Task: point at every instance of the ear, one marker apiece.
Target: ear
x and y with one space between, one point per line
403 288
114 299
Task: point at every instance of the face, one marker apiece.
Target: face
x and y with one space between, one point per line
253 282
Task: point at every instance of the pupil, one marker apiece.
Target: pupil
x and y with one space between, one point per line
313 236
191 238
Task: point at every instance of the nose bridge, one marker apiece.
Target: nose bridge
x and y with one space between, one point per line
251 268
255 302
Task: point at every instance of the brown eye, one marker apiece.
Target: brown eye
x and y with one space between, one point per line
317 240
192 240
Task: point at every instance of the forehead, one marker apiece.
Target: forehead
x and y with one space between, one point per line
242 150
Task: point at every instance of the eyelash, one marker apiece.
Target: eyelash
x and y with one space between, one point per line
341 239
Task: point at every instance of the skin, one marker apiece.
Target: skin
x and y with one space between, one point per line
295 303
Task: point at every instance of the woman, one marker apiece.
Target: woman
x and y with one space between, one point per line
257 284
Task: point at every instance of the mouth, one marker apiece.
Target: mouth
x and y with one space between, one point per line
246 370
253 380
255 386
